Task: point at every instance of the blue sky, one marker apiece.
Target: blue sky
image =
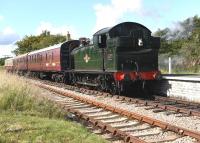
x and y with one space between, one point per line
82 18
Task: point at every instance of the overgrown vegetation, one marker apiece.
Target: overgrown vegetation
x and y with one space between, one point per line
17 95
2 61
26 117
184 41
1 68
31 43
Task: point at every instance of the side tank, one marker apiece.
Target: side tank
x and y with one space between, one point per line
87 58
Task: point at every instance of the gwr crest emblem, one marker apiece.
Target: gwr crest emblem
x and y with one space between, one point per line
86 58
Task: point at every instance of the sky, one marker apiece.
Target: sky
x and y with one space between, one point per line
19 18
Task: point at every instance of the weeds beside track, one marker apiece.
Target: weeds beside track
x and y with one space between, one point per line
25 116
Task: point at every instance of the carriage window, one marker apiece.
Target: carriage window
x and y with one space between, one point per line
49 57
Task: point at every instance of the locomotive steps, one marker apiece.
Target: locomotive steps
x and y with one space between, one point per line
128 125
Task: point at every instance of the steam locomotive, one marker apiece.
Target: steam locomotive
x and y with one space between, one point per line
119 57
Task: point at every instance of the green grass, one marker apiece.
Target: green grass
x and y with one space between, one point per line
1 67
26 117
22 128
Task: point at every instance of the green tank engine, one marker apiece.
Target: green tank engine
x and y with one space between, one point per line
120 57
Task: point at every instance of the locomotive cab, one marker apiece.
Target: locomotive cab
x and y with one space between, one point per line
102 40
129 51
121 54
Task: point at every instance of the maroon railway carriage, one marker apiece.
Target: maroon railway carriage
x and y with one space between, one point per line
47 59
9 65
20 63
52 61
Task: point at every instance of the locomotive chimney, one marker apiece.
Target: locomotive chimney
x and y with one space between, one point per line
68 36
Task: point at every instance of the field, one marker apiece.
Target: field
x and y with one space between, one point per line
25 117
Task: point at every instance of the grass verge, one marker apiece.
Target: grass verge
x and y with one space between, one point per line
24 117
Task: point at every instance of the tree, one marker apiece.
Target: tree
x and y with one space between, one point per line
2 61
184 40
31 43
169 45
173 40
191 48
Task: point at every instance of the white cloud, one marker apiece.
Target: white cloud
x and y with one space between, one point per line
56 29
110 14
150 13
8 30
6 50
8 36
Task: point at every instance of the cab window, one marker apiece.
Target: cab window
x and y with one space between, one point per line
102 41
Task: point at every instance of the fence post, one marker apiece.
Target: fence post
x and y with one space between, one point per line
170 65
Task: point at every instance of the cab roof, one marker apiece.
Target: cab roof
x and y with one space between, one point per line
119 28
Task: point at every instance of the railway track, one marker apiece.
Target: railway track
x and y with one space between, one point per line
181 106
127 125
162 103
166 104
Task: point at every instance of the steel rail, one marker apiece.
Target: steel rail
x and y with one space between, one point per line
105 127
131 115
180 101
157 103
190 112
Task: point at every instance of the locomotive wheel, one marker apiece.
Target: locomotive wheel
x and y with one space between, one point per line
41 76
114 89
146 90
101 83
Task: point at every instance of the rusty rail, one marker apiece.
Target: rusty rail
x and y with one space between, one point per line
105 127
158 104
131 115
